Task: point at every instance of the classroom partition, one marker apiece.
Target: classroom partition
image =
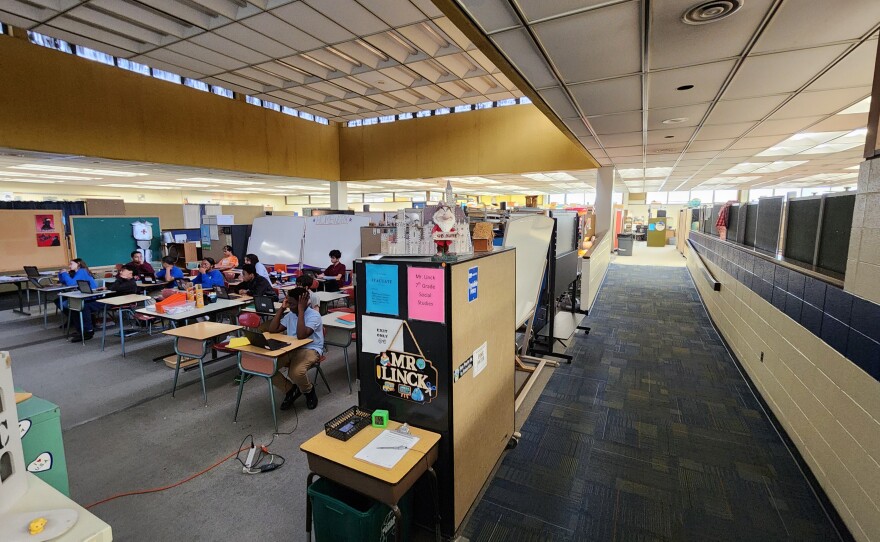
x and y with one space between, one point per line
32 237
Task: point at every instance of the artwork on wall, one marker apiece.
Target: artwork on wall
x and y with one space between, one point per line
48 240
45 223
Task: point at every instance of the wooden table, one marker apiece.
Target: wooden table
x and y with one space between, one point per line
334 459
193 341
218 306
272 356
115 303
338 333
75 302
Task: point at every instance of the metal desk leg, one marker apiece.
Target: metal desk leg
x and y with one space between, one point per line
202 371
45 308
398 523
21 301
121 330
436 495
104 328
82 327
309 480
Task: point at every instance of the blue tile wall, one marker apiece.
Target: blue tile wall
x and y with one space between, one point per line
849 324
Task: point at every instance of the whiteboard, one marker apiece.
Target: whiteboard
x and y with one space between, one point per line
327 232
277 239
531 237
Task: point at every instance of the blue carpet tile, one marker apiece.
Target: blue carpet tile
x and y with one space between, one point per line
651 434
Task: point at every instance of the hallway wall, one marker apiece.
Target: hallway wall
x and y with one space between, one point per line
828 405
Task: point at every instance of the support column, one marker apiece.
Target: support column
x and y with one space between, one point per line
339 195
604 198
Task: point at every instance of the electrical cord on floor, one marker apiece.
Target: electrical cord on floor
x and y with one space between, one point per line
163 488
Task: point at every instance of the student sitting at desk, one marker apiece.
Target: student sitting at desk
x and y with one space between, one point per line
227 263
208 277
333 274
305 281
255 261
124 284
76 270
253 284
140 267
302 322
169 271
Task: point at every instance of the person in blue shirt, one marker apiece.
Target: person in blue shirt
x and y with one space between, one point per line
76 270
169 271
302 322
209 277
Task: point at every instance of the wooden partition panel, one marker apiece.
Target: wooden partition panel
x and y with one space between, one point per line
19 240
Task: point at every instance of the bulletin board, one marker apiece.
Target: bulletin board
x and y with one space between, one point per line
27 239
107 240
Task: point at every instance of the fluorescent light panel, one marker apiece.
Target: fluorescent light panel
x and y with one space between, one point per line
101 172
211 180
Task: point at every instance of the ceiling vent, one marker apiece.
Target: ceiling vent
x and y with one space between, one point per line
709 12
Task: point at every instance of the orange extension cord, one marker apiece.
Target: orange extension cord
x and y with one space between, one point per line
157 489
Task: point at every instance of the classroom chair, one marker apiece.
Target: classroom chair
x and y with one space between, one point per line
342 340
262 366
190 348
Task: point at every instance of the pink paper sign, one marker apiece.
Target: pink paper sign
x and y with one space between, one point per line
426 294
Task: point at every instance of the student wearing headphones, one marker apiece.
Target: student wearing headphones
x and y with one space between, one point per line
302 322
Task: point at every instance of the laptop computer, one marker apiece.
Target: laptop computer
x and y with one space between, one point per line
223 293
146 279
264 304
260 341
32 271
84 286
181 284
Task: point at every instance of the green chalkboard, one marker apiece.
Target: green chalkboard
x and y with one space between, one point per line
108 240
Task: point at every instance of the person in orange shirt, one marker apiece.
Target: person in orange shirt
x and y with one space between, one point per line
227 263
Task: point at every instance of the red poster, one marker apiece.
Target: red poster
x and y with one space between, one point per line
45 223
48 240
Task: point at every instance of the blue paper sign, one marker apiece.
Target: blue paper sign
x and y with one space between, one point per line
472 284
381 289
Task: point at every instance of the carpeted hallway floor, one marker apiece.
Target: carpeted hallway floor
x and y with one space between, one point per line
650 434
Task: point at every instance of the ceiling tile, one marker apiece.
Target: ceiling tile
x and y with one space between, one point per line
855 70
750 109
541 9
706 78
791 28
621 140
275 28
842 122
611 96
692 114
519 48
779 73
616 124
613 37
491 15
394 13
244 35
678 135
723 131
350 15
559 102
577 127
428 8
783 127
710 145
674 43
229 48
305 18
824 102
209 56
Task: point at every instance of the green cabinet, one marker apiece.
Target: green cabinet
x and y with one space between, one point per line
39 422
657 232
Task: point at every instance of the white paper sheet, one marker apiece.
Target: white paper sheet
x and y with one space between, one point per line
387 448
377 333
481 359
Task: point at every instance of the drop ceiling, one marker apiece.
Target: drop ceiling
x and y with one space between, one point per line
339 59
644 91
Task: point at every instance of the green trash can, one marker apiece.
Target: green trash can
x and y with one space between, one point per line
341 514
40 424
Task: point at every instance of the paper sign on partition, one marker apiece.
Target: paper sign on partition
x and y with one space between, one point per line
426 294
377 334
381 289
481 359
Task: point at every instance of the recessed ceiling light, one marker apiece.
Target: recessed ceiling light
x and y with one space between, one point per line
677 120
685 87
710 12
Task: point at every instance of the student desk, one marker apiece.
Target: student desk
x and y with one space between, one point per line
18 281
75 302
41 496
51 289
210 308
338 333
194 341
327 297
261 362
334 459
115 303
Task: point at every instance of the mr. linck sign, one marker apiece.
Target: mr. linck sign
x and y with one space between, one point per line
407 376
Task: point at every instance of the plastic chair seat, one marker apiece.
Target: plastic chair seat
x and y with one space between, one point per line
262 366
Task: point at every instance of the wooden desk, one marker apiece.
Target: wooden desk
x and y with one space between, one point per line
115 303
218 306
75 302
193 342
53 289
334 459
327 297
259 368
41 496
